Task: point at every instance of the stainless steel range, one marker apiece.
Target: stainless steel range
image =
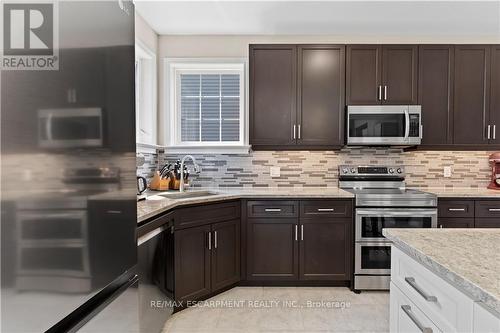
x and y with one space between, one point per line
382 201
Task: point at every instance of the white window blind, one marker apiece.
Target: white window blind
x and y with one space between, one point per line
209 107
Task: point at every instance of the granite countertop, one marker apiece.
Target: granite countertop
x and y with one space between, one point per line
462 192
156 204
469 259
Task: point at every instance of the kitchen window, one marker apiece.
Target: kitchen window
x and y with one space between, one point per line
206 106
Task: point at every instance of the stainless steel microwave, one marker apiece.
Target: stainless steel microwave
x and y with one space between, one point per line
384 125
70 128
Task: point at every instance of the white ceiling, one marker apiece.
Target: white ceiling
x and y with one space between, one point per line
397 18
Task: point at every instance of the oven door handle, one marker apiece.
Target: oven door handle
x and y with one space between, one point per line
416 213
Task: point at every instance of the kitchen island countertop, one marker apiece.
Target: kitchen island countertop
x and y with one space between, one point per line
469 259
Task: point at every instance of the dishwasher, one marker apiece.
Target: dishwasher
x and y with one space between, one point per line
155 253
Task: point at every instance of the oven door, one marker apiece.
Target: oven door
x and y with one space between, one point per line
383 125
371 222
373 258
67 128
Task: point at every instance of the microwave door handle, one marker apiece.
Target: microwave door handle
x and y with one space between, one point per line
407 125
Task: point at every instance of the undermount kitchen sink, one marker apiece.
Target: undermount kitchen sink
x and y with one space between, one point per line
187 194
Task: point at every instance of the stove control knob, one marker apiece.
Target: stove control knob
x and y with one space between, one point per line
345 170
399 170
353 170
391 170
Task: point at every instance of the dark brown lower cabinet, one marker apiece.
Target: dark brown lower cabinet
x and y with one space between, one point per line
456 223
325 248
225 254
272 249
487 223
192 263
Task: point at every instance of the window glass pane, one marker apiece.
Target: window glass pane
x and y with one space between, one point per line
230 85
230 108
210 130
210 85
210 108
190 108
230 130
190 130
190 85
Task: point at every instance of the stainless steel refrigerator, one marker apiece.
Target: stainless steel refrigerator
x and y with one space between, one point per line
68 188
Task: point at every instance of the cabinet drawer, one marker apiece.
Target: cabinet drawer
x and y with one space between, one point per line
487 223
488 208
341 208
271 208
456 208
405 316
458 222
446 306
205 214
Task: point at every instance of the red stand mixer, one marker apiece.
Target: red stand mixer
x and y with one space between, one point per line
495 171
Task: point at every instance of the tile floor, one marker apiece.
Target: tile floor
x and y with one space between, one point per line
286 309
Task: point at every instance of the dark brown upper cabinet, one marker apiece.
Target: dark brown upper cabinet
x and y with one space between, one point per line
297 96
273 88
364 75
381 74
435 93
320 97
495 95
471 96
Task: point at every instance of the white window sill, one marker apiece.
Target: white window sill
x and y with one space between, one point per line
147 147
244 150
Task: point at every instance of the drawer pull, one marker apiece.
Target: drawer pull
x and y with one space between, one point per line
409 313
273 210
326 209
493 209
413 284
114 211
456 209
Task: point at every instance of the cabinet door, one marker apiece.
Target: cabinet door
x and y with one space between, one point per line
435 92
272 249
225 254
192 263
495 95
399 74
273 82
321 80
470 118
363 74
325 249
455 222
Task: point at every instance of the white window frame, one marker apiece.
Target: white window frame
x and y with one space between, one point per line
173 68
142 51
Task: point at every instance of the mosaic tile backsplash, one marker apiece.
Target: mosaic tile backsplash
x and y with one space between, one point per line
320 168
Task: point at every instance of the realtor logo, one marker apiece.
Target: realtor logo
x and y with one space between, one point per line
29 36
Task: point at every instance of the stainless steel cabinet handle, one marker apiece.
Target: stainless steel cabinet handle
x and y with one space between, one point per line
273 210
456 209
421 132
209 240
494 132
114 211
298 127
379 93
296 233
302 232
215 239
385 93
326 209
493 209
409 313
413 284
489 131
294 131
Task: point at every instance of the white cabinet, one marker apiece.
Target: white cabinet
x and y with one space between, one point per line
417 292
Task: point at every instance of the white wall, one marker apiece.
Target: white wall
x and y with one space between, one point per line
236 46
145 33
